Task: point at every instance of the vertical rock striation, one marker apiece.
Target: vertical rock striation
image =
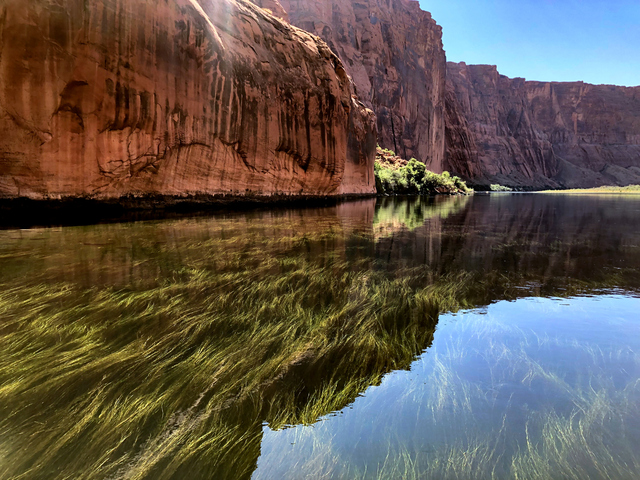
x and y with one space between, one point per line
105 98
461 149
540 134
393 51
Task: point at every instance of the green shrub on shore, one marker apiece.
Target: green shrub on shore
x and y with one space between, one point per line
499 188
415 179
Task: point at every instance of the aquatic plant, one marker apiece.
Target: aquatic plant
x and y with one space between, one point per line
147 381
576 422
166 349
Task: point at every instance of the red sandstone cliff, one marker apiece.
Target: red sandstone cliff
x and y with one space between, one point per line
393 51
106 98
539 134
274 7
492 128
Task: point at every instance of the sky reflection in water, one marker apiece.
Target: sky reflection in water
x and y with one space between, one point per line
534 388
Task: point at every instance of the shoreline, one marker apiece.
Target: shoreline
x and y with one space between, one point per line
25 212
604 190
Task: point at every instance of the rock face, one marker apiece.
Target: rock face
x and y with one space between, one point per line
393 52
461 149
539 134
105 98
274 7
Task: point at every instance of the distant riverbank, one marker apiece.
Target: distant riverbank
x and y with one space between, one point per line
629 190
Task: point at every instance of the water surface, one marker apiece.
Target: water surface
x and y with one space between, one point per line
494 336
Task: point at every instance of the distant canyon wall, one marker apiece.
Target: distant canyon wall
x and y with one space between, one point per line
469 119
540 134
106 98
393 51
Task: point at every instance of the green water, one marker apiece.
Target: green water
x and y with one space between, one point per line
485 337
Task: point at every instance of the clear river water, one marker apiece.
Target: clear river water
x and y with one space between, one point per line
493 336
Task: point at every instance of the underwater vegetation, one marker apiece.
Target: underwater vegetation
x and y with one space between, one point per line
491 398
167 349
162 378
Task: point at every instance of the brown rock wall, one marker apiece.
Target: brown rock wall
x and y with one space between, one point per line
393 51
461 148
541 134
106 98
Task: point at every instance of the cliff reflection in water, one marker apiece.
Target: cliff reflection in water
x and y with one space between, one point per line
159 349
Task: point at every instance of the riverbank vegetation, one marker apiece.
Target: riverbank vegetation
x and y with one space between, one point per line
161 350
607 189
397 176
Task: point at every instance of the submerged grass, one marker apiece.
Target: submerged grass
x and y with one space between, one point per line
135 352
494 408
155 383
148 382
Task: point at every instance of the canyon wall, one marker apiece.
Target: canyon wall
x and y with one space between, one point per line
106 98
471 120
540 134
393 51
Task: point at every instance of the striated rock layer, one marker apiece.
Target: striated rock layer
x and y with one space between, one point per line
540 134
105 98
393 51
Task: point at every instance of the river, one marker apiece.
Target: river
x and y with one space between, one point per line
493 336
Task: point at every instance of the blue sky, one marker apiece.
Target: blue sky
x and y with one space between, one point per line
562 40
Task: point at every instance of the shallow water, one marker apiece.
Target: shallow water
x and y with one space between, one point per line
533 388
493 336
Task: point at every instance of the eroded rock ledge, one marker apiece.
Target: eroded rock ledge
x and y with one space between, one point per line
107 98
